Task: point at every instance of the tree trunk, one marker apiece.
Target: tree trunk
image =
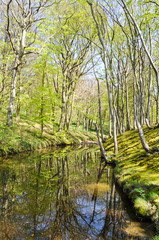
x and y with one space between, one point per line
42 104
18 62
63 107
110 107
123 106
78 119
19 89
71 111
142 104
127 106
118 121
110 125
150 81
157 108
103 154
87 122
141 133
117 110
99 105
152 118
3 87
84 123
53 116
104 59
142 138
134 95
143 43
12 94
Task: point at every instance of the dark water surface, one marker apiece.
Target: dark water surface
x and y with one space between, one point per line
65 193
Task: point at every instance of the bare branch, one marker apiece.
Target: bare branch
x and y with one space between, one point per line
8 26
19 5
31 52
99 34
143 42
153 2
15 17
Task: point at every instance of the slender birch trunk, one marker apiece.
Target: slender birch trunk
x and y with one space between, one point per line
150 81
141 133
104 59
42 104
110 125
143 42
99 105
63 107
123 106
127 106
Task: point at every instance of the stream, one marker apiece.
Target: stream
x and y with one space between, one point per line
64 193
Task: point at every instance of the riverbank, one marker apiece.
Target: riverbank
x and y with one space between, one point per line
26 136
138 172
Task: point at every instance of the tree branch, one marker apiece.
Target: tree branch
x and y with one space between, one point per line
8 26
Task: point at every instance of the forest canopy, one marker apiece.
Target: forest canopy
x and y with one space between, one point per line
65 63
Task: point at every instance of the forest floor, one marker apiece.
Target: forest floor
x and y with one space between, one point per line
137 172
26 136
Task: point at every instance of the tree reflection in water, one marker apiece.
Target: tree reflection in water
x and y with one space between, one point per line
64 194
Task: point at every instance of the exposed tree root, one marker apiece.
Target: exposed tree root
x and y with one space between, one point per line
145 145
153 150
148 125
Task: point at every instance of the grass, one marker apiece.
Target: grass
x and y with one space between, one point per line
138 172
26 136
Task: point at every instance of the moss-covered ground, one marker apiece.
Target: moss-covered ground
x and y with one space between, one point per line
26 136
138 172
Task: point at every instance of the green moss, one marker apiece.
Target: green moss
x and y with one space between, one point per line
138 172
156 237
142 206
153 196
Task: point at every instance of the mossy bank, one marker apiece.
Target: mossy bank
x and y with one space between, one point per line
26 136
138 172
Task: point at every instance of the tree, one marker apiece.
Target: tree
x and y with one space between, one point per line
70 54
21 18
101 29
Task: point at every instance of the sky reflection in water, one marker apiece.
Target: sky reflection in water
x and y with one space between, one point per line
64 194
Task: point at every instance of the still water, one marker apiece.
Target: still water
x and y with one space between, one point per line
64 193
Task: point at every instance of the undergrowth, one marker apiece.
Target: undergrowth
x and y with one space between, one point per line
26 136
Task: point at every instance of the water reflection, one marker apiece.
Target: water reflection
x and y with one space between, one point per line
65 194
